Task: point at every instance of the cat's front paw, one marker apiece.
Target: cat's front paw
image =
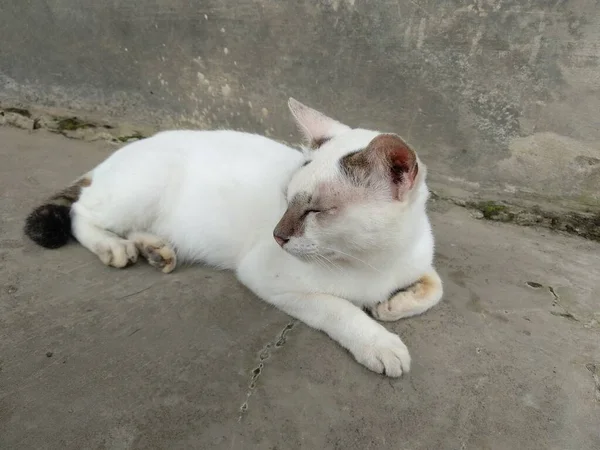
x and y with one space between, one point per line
386 354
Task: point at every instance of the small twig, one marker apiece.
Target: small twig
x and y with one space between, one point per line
135 293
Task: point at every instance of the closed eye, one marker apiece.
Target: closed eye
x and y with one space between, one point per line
317 211
311 211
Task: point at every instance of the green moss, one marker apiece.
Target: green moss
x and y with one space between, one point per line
588 199
73 123
586 225
491 209
19 111
126 138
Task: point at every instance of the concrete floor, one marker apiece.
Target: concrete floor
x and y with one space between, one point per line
99 358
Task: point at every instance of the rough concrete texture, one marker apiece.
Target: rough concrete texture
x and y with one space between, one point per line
500 95
99 358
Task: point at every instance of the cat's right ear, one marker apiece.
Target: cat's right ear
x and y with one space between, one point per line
316 127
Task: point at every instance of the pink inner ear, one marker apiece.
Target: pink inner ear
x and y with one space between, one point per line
398 158
401 165
316 127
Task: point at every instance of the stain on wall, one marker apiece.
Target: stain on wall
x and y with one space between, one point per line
466 82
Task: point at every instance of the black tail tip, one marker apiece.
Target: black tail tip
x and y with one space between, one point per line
49 225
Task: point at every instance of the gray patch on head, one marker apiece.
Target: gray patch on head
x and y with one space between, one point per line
317 143
300 199
355 167
292 221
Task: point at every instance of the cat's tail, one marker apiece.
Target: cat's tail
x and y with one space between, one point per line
49 225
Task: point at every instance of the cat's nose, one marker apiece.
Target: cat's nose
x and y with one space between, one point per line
281 240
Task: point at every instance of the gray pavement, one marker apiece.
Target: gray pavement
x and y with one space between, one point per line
99 358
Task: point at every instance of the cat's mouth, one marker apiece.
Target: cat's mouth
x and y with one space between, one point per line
298 247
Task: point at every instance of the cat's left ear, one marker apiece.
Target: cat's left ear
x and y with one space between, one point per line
316 127
398 161
387 157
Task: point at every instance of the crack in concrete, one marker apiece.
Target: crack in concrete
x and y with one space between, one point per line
565 312
264 354
566 315
595 371
556 303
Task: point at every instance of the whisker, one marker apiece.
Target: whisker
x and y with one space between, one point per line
333 265
354 257
315 258
320 263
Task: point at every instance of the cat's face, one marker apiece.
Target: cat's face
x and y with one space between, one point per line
352 194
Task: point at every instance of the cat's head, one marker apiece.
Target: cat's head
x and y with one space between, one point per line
354 194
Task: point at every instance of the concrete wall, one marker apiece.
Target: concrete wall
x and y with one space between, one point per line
498 96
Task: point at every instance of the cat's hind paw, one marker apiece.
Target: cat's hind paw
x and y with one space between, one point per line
162 258
117 253
158 253
397 307
414 300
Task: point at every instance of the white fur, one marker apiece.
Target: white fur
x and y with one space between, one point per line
216 196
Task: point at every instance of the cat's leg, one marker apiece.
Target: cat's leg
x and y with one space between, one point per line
110 248
158 253
414 300
369 342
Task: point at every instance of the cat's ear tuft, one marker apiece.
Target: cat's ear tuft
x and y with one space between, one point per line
316 127
397 159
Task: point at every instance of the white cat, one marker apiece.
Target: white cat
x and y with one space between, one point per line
320 234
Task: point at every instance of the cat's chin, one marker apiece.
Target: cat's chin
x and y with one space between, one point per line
301 255
311 255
